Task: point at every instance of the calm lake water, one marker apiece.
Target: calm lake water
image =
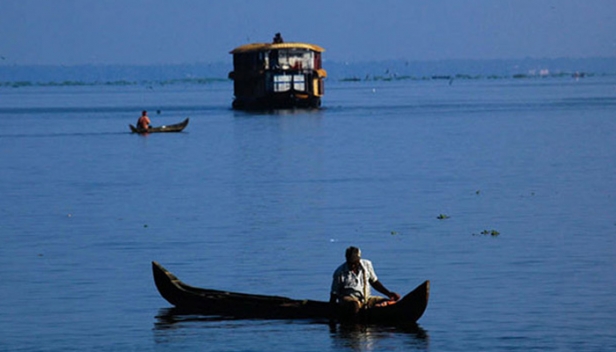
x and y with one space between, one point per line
267 203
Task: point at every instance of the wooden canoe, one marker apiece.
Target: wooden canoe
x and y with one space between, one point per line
193 300
178 127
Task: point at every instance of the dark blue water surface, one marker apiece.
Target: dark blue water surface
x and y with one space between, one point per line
267 203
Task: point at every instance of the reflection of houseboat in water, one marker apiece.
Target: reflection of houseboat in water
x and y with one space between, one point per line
277 75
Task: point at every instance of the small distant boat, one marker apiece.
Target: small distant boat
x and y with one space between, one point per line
192 300
178 127
277 75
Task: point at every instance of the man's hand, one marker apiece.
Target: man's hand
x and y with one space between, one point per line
393 296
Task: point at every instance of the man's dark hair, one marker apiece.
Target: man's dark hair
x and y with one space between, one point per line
352 254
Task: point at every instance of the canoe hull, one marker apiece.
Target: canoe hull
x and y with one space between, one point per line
193 300
178 127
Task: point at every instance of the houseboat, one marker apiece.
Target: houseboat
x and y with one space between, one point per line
277 75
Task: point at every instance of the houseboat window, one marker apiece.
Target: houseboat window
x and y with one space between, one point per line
283 83
296 59
299 83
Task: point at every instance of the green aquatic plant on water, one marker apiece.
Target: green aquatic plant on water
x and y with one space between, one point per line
492 233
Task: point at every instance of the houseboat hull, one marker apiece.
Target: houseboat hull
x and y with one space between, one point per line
286 100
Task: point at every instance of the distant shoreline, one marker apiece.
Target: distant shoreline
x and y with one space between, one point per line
391 70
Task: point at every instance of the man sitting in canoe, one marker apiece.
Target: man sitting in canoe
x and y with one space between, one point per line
144 121
350 288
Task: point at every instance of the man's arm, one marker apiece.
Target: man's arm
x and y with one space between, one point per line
379 287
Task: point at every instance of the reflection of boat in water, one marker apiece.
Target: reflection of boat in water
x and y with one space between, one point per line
277 75
360 337
344 336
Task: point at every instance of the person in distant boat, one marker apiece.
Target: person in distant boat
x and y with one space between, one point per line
278 38
351 284
144 121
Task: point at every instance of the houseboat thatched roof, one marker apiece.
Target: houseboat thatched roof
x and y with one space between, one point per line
275 46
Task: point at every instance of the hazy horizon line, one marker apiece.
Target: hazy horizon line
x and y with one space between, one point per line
394 69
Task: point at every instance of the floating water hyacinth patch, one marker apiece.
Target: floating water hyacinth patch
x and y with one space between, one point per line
492 233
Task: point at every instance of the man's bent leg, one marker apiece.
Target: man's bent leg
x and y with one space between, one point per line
350 305
375 300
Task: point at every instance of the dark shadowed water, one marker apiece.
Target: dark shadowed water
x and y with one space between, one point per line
523 173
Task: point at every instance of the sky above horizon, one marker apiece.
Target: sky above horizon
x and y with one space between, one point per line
71 32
